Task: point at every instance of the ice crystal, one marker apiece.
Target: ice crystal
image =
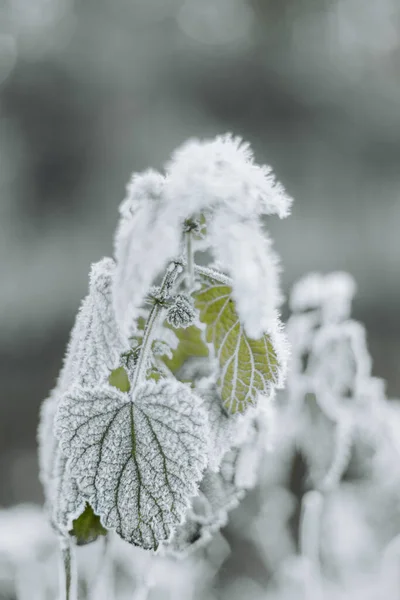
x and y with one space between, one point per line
222 171
137 458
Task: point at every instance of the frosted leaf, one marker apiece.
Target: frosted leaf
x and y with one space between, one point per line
245 252
97 341
63 500
222 172
248 367
218 495
143 245
226 430
181 314
161 349
67 503
137 457
143 188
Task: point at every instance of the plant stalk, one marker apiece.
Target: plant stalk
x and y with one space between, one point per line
69 575
189 261
155 315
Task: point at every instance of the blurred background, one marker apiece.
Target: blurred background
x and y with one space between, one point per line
91 90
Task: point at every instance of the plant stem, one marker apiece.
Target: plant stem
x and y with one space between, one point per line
189 261
155 315
68 579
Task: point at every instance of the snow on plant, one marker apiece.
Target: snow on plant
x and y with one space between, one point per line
128 442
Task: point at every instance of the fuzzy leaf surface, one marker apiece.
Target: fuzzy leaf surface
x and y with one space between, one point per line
137 458
247 367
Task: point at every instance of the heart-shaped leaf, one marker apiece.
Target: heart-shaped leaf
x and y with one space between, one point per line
137 458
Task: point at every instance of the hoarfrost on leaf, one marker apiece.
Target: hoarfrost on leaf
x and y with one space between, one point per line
248 367
226 430
136 457
222 172
143 245
218 495
245 252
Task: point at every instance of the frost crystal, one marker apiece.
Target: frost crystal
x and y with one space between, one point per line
136 458
181 314
222 171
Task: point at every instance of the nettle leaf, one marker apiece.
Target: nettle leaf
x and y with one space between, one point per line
136 457
87 527
247 367
190 345
63 499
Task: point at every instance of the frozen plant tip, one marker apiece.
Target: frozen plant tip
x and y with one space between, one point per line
127 443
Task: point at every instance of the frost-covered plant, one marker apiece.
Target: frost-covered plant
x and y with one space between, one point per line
335 416
157 422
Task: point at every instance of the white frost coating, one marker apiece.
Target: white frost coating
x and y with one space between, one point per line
144 242
143 245
332 293
63 501
101 342
278 342
146 187
93 350
245 252
221 171
226 430
201 176
218 495
137 458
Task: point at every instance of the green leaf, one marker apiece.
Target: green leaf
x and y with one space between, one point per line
87 527
137 457
119 379
190 345
247 366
